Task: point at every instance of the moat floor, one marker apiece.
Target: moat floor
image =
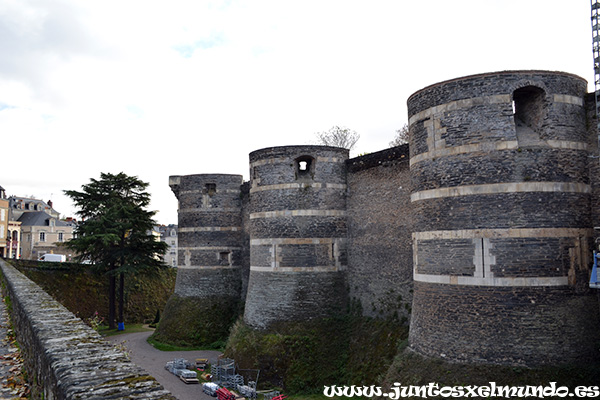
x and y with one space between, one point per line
153 361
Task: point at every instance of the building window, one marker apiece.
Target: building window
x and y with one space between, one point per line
60 237
42 236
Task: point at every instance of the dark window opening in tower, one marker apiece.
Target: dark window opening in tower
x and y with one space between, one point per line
305 166
211 188
224 258
529 111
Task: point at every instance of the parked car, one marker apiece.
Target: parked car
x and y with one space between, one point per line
53 257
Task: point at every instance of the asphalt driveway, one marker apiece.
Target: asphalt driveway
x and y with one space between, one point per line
153 361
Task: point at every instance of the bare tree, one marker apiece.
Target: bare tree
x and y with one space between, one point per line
401 136
338 137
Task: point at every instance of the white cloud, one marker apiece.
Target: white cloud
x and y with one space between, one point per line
156 89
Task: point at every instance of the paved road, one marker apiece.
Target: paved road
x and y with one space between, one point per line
153 361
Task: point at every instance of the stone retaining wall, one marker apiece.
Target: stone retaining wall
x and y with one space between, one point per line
64 358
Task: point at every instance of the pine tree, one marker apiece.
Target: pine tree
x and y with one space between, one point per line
115 232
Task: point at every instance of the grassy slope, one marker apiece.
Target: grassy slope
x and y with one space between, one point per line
302 357
85 292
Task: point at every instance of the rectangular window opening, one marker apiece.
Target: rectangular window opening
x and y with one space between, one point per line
225 258
305 166
211 188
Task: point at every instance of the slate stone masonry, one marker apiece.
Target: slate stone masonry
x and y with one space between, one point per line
380 222
298 234
210 254
488 215
503 224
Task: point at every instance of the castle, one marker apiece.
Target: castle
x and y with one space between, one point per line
481 234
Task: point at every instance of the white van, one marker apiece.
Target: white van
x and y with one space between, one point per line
53 257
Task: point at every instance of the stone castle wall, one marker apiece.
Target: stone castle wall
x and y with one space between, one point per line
379 233
503 229
484 231
309 239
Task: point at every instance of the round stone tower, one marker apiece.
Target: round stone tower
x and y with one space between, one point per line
208 286
297 234
210 234
502 241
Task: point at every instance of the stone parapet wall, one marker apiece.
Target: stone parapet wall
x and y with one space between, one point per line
384 158
492 84
66 359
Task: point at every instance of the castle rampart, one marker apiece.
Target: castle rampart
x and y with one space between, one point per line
489 220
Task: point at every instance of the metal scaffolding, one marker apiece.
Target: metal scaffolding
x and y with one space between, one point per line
594 279
596 49
224 374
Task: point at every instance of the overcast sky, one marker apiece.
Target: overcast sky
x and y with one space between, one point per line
155 89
